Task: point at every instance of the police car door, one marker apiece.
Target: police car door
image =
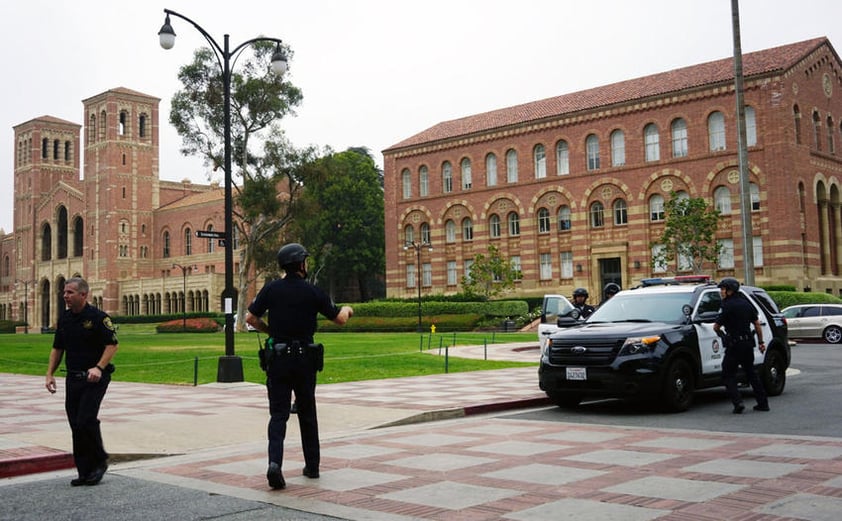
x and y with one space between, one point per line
710 345
764 325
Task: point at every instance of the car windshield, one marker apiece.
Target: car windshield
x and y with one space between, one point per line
643 307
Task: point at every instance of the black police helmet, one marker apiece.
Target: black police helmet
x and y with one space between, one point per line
729 283
292 254
580 292
612 288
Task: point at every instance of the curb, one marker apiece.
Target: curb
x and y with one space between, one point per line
460 412
34 464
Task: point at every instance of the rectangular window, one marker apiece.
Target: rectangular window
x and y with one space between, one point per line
757 245
515 262
410 276
451 273
546 266
426 274
659 263
566 264
468 264
491 170
726 254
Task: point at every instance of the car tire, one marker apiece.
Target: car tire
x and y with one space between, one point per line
773 373
565 400
832 335
678 388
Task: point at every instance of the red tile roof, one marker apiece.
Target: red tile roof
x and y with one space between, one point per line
776 59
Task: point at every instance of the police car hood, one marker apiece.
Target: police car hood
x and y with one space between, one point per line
601 330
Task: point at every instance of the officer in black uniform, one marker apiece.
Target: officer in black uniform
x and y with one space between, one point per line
293 304
737 315
580 302
87 336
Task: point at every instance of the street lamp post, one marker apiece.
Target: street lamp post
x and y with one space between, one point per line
230 367
184 271
417 246
26 284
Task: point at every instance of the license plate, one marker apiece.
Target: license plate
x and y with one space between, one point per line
577 373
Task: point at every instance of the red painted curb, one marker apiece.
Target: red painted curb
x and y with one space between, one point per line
35 464
505 406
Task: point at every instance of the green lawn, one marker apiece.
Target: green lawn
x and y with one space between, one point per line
174 358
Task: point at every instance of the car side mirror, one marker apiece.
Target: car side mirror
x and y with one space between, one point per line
571 318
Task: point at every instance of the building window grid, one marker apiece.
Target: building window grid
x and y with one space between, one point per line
447 177
679 138
423 181
425 233
652 141
406 181
511 166
451 273
467 229
516 267
514 224
566 260
467 182
597 215
544 225
722 200
426 275
545 264
491 170
450 231
656 208
562 158
592 147
621 212
564 223
716 131
494 226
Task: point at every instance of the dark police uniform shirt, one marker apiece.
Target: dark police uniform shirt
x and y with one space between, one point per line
83 337
736 315
292 303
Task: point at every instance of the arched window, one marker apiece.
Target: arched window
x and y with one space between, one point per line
514 224
408 234
467 229
716 131
652 142
511 166
450 231
796 115
166 250
751 127
142 125
618 148
817 133
211 241
62 231
46 242
597 215
592 147
491 170
564 218
188 241
406 183
423 181
562 158
467 180
494 226
656 208
78 236
544 225
539 156
830 145
446 177
621 212
722 200
425 233
678 130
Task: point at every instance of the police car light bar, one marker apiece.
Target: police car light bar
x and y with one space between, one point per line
680 279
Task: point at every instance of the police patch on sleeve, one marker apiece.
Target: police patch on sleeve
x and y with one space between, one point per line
107 323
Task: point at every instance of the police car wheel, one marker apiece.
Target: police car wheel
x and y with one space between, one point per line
774 373
678 386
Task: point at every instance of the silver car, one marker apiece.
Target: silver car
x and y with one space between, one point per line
815 321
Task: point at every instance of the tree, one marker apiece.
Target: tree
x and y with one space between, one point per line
689 235
345 233
259 100
490 275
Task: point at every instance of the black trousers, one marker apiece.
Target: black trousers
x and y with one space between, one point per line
288 374
742 355
82 404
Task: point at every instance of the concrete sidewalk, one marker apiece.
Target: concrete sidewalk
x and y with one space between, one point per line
472 466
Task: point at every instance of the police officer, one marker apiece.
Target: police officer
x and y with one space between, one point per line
293 304
88 338
737 315
580 298
610 289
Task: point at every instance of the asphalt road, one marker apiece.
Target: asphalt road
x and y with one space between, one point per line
809 405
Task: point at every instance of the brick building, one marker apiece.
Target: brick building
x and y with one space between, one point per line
572 188
130 234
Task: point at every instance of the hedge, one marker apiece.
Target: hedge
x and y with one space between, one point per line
443 323
497 308
790 298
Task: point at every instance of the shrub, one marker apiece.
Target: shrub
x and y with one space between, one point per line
191 325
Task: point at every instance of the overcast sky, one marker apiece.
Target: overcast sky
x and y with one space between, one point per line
373 72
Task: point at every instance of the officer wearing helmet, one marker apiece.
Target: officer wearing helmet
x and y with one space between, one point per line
580 298
737 315
293 305
610 289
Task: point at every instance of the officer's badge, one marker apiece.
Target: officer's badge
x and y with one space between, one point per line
87 324
107 323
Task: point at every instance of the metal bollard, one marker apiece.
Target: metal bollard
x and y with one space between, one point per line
195 371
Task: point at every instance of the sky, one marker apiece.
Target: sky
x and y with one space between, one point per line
372 72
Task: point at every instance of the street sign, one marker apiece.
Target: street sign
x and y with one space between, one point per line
210 234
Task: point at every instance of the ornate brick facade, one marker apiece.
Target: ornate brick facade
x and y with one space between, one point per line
131 235
571 187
